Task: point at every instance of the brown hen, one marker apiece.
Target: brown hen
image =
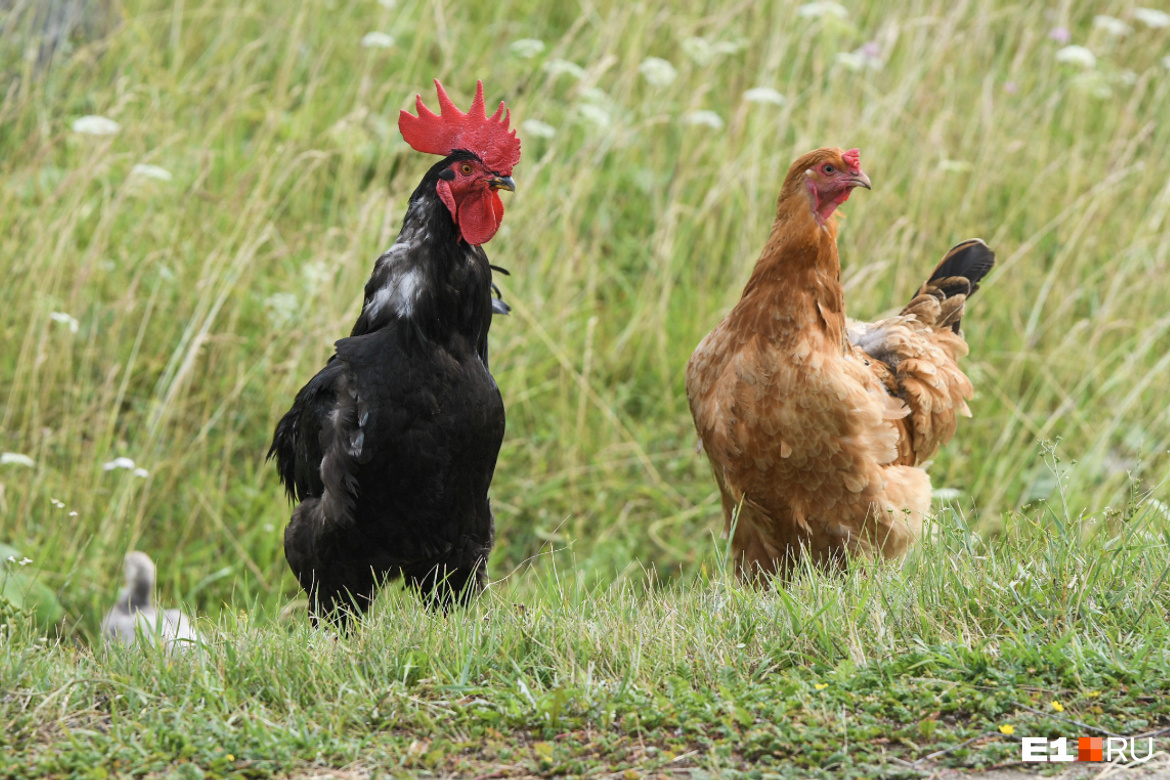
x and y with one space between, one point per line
818 428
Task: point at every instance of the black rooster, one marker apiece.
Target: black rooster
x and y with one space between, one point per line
391 447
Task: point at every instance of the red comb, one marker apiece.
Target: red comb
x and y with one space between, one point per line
853 158
486 137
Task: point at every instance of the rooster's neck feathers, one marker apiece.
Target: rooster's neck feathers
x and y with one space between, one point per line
430 278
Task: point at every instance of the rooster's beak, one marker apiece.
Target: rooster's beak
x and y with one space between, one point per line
503 183
859 179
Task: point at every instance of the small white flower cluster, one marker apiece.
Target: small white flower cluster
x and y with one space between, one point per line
150 172
704 119
534 128
17 459
558 67
703 52
594 114
526 48
282 308
57 502
1152 17
316 274
657 71
1077 55
24 561
125 463
377 40
65 319
95 125
868 57
1111 25
820 9
764 95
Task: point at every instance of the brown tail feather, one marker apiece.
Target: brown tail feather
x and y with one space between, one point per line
940 300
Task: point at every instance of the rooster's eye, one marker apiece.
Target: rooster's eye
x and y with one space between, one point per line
829 169
465 168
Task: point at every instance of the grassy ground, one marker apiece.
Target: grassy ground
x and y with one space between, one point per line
887 672
171 320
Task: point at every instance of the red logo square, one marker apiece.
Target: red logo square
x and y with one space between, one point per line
1089 749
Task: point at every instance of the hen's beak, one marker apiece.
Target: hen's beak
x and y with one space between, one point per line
503 183
859 179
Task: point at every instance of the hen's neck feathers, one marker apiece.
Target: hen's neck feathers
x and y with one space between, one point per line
795 287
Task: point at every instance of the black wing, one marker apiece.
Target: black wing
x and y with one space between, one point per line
297 443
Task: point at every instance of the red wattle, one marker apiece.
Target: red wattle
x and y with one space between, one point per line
479 217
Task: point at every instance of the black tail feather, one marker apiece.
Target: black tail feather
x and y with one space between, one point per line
971 260
955 279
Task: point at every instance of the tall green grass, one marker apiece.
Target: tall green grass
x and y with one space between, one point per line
204 302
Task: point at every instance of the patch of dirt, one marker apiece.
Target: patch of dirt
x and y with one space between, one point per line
1157 768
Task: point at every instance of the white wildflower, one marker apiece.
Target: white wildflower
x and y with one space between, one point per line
17 459
526 48
946 494
819 9
73 513
868 56
57 502
705 118
377 40
67 320
1111 25
558 67
118 463
1077 55
699 50
151 172
1152 17
537 129
594 114
657 71
25 561
595 95
852 60
95 125
282 307
1094 83
764 95
316 273
141 472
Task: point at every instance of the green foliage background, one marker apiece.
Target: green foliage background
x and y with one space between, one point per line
204 302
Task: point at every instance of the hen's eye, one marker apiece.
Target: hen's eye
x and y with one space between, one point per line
465 168
829 169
